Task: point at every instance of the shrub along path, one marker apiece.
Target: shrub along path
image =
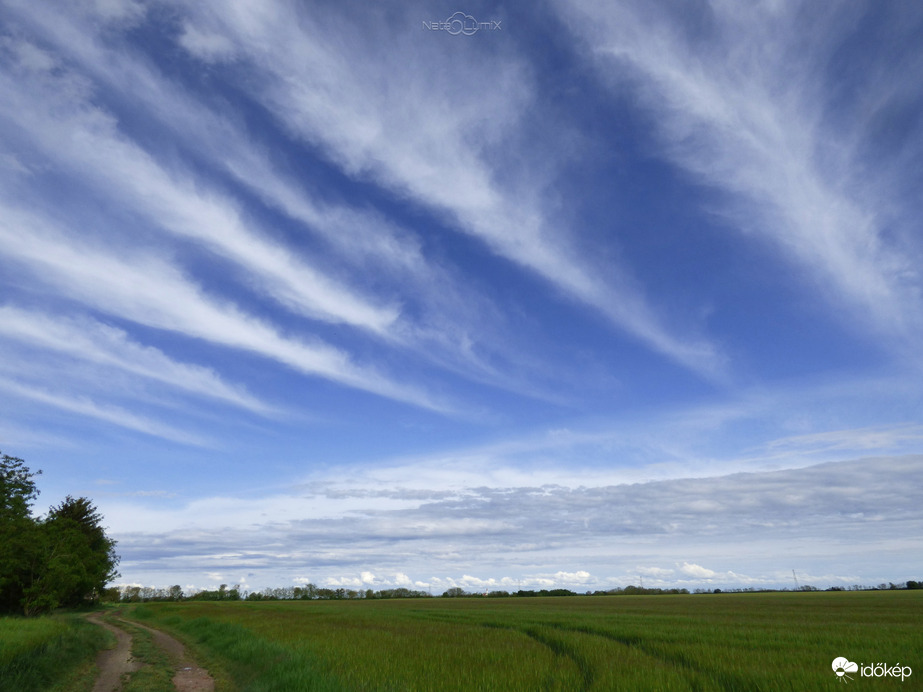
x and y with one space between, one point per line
116 663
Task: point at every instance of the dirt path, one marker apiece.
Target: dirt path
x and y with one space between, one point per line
114 663
189 677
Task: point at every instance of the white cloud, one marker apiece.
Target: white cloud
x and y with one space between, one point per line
657 572
99 343
207 46
334 89
741 104
697 571
149 291
85 406
84 139
820 515
441 317
857 438
579 577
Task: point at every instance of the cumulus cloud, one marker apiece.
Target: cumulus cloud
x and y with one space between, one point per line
697 571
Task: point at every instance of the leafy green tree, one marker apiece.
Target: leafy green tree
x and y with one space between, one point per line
17 529
64 559
17 489
75 533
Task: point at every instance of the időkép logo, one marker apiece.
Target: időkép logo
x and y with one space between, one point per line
843 667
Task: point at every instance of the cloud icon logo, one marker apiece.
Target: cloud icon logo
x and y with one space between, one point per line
841 666
461 23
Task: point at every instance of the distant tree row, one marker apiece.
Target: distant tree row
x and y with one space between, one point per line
639 591
310 592
61 559
890 586
545 593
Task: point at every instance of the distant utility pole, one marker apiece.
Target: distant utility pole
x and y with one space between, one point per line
642 581
796 580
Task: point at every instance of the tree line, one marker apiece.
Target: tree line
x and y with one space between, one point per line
311 592
61 559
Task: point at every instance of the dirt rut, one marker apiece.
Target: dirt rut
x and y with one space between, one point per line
114 663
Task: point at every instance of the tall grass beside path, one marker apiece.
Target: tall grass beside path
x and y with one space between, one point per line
53 653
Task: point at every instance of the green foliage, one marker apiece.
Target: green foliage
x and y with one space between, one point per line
17 529
17 489
772 641
51 653
223 593
64 559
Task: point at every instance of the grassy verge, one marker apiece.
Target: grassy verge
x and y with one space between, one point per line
55 653
232 652
231 669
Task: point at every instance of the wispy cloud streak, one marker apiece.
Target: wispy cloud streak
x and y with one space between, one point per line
147 290
85 406
80 137
92 341
744 102
329 86
424 306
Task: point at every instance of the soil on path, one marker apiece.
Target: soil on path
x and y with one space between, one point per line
114 663
189 677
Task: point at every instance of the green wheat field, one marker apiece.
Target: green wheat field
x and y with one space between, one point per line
747 641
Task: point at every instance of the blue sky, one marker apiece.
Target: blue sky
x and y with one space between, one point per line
602 291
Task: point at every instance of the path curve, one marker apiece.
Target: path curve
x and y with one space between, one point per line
114 663
189 677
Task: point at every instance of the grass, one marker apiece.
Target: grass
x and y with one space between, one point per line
53 653
728 642
156 673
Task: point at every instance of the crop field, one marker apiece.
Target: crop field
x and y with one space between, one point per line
773 641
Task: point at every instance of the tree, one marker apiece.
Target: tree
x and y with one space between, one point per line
75 528
64 559
17 529
17 489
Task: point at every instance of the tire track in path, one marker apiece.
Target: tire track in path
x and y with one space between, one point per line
189 677
115 663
